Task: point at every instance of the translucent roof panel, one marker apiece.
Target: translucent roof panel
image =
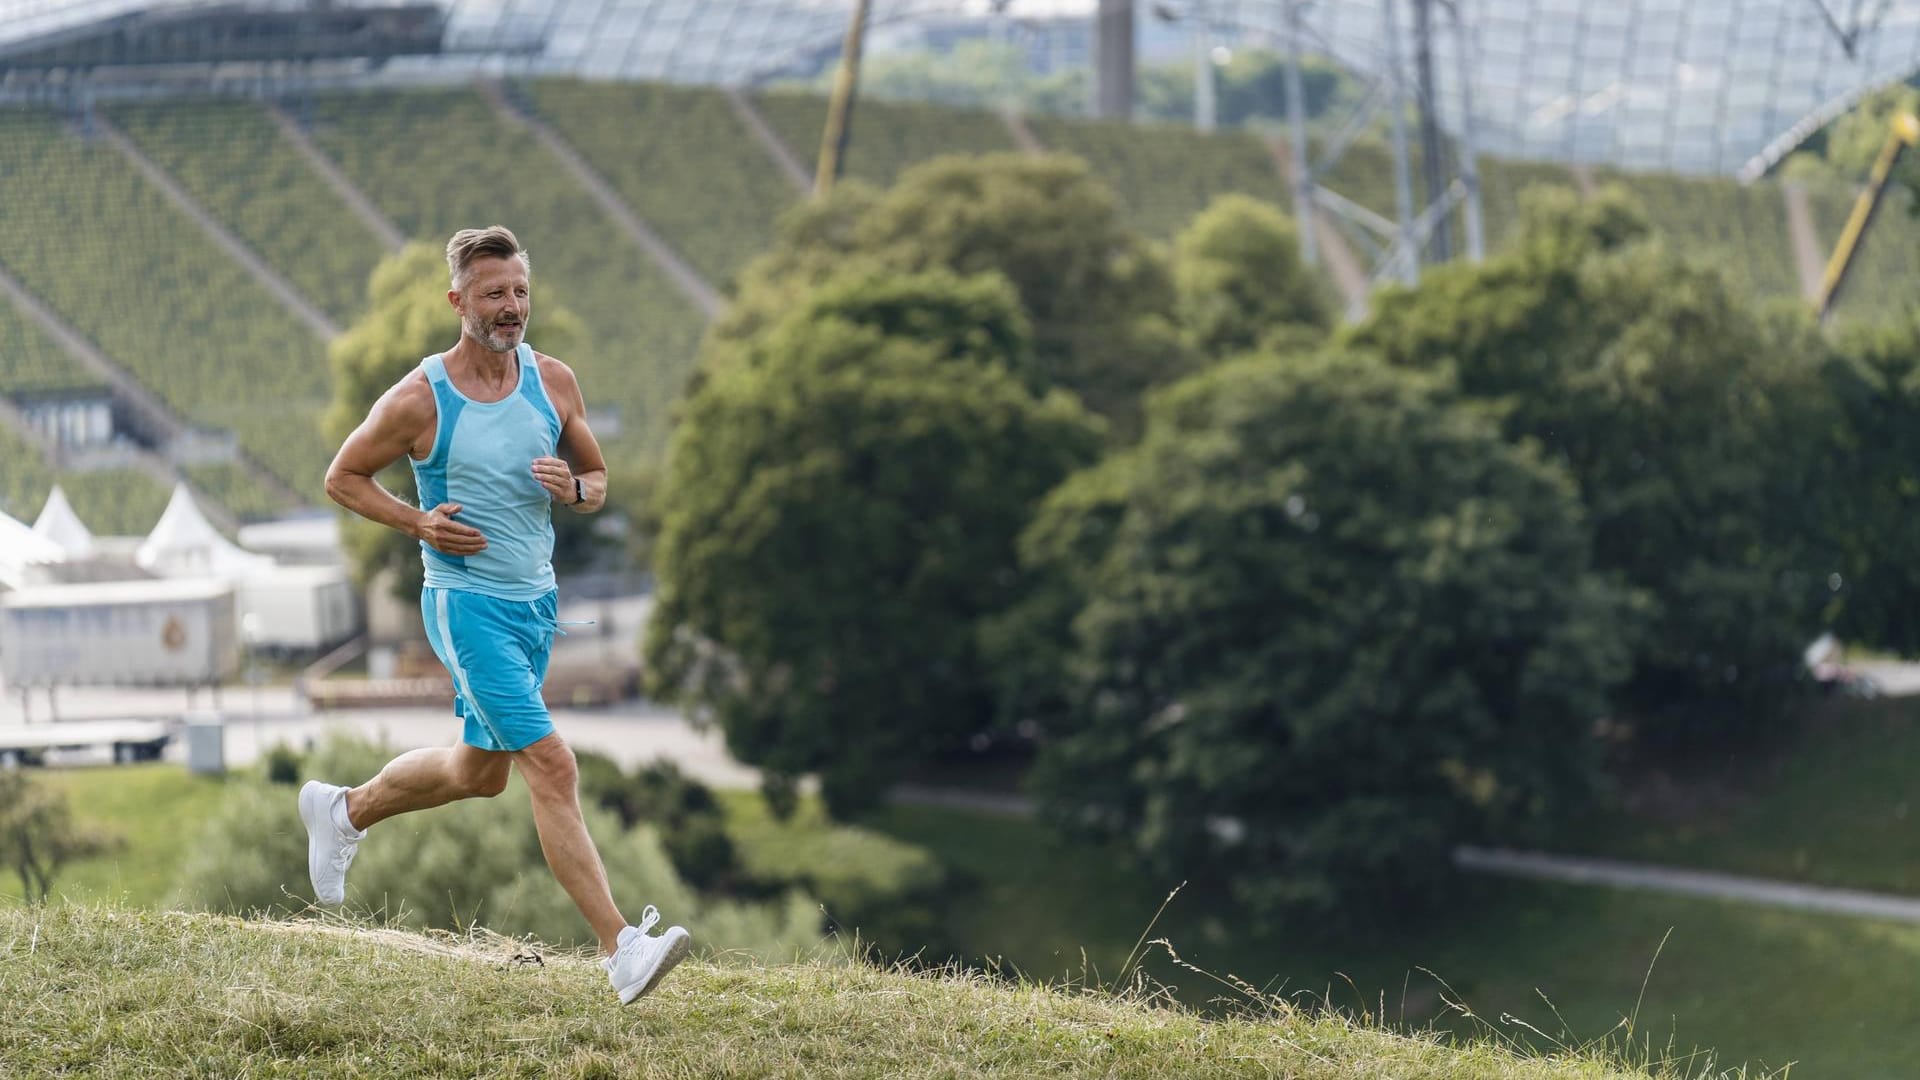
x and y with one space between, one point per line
1688 85
1691 85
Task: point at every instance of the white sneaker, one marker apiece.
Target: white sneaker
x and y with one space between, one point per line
329 850
641 961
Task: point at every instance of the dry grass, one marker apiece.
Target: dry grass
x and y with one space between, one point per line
103 992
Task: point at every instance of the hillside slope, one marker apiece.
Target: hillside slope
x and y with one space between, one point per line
124 994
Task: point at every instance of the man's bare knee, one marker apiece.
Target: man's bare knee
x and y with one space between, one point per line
482 774
549 767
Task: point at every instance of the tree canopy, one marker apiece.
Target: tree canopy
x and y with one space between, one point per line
1685 420
838 516
1324 622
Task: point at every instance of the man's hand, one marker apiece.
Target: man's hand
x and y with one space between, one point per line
447 536
557 477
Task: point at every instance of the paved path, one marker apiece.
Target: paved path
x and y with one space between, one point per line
1579 870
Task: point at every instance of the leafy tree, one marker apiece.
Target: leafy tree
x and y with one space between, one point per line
1684 419
838 516
1871 495
38 835
407 317
1329 623
1240 281
1099 298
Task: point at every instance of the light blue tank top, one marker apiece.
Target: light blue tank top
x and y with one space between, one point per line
483 459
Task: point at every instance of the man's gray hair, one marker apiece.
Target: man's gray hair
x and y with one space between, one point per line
470 245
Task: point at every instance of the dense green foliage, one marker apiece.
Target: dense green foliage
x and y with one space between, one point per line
1325 623
1880 283
87 233
234 161
1241 282
889 893
407 318
418 156
838 516
682 159
1870 492
1684 420
1100 300
475 862
684 811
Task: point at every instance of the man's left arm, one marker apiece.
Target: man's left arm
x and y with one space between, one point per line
580 456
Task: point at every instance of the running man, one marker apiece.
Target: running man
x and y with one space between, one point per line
496 434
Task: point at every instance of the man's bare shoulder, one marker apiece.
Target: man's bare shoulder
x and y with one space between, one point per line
561 384
553 372
407 403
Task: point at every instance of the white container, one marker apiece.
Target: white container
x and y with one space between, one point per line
126 633
298 609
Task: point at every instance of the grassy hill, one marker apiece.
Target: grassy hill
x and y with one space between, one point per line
121 994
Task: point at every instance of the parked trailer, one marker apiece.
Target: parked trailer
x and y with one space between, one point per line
127 633
298 609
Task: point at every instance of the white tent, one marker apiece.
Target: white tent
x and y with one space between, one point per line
184 544
22 552
57 522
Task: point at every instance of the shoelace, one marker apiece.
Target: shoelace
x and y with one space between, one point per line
344 855
649 919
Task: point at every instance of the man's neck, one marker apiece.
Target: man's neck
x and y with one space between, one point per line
483 364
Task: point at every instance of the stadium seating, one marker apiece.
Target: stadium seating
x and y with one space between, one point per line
1879 285
82 229
436 161
1501 183
1740 230
1164 174
888 136
682 159
111 502
30 361
233 160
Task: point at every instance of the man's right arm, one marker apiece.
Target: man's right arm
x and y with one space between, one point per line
401 416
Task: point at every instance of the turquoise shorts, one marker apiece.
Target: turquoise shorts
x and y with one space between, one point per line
497 652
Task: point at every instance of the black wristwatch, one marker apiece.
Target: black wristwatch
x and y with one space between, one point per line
579 493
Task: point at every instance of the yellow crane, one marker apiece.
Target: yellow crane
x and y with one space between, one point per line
1905 133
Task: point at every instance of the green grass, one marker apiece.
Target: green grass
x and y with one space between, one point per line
1757 985
1833 803
116 994
156 809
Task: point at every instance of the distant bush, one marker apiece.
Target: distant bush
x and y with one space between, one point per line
889 892
682 809
476 862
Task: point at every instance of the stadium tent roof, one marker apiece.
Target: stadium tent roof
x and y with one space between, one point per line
184 544
21 550
58 523
1692 85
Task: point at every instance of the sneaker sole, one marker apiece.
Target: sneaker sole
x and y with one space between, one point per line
678 945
